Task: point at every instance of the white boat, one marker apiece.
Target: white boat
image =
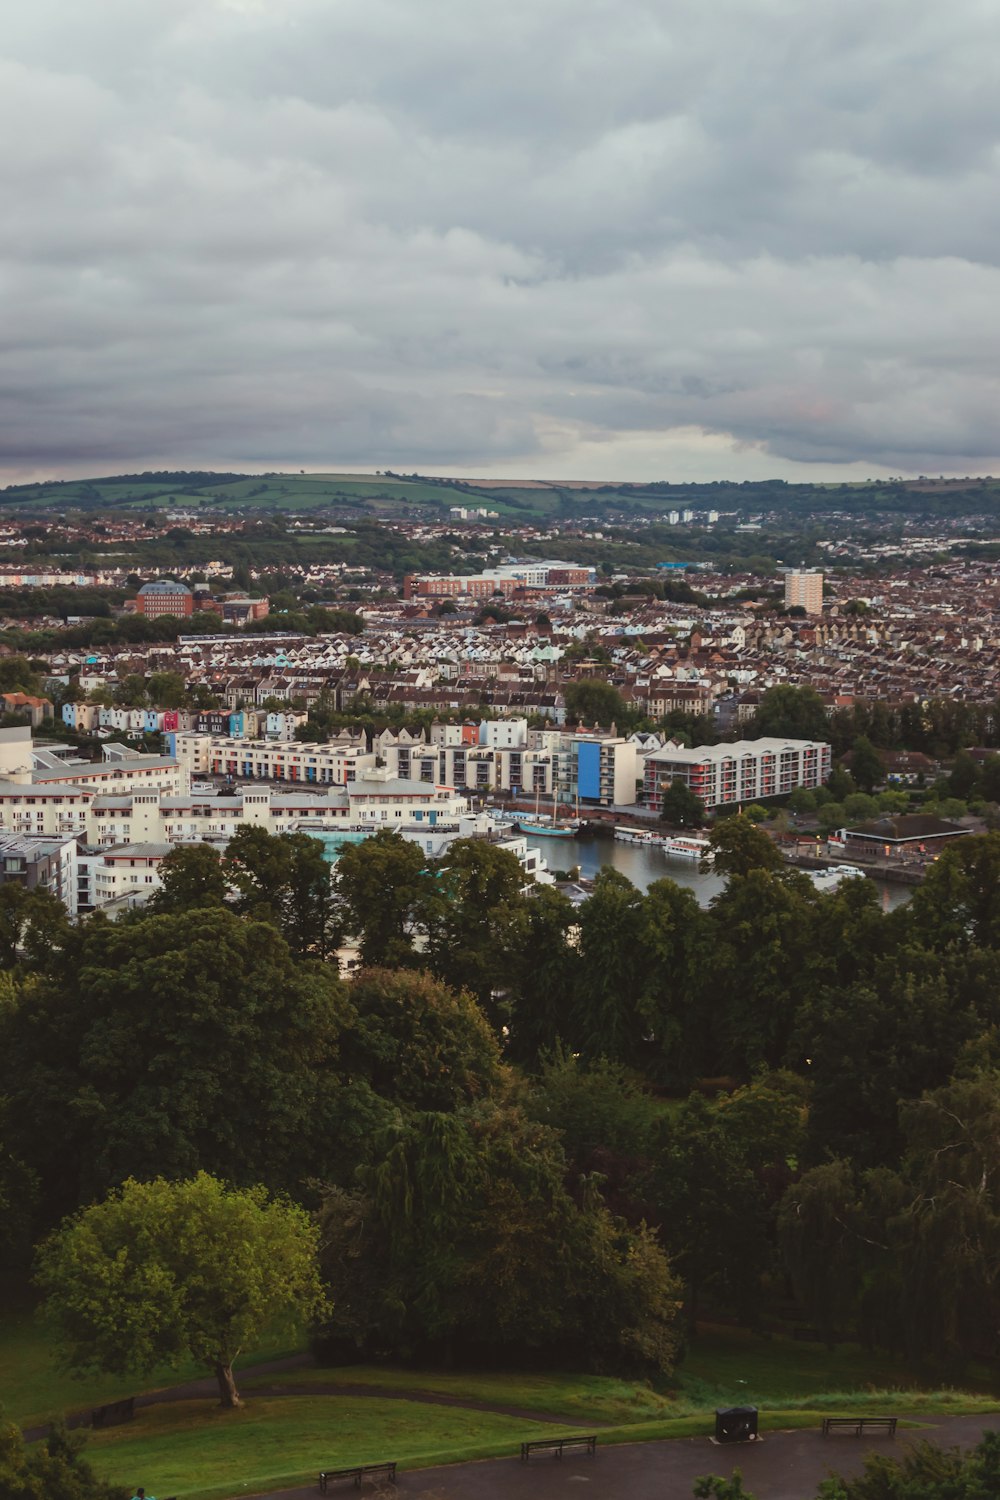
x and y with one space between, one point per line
828 880
638 836
687 848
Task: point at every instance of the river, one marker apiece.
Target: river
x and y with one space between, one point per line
644 865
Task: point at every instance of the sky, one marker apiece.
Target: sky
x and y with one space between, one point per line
576 239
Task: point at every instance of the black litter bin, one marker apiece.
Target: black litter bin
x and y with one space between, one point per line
735 1424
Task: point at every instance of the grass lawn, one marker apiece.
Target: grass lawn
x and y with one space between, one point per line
578 1398
33 1388
724 1367
194 1449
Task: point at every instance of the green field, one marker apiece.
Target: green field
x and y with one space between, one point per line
34 1389
194 1449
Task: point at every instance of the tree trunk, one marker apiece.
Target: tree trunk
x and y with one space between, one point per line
228 1394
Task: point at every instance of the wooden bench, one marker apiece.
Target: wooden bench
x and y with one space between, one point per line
557 1445
857 1425
358 1472
113 1413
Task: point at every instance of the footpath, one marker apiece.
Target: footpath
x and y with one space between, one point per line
784 1466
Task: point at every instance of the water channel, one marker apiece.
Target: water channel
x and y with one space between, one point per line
643 865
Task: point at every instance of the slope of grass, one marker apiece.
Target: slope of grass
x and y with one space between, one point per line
34 1389
578 1398
196 1450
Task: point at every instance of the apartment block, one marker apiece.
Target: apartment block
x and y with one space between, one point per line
804 590
747 771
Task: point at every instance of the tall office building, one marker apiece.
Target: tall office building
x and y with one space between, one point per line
804 589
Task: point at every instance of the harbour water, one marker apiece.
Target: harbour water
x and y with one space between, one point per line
643 865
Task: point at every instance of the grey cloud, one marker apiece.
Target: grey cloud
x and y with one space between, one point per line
449 235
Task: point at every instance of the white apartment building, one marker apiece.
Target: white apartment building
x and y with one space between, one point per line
376 800
747 771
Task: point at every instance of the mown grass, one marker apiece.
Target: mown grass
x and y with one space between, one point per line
33 1388
578 1398
195 1450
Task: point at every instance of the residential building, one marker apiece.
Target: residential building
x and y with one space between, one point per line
164 597
746 771
804 590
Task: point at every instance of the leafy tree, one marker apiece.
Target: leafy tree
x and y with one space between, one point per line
284 878
739 847
591 700
193 878
840 783
819 1239
160 1270
131 692
956 904
461 1236
167 690
711 1212
923 1472
170 1043
713 1485
964 779
607 1016
385 890
859 807
763 924
787 712
542 977
34 928
677 938
680 807
802 800
476 921
51 1470
417 1042
867 768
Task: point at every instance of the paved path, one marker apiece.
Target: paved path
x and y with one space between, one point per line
785 1466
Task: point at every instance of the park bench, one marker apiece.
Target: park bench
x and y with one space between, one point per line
358 1473
557 1445
113 1413
858 1425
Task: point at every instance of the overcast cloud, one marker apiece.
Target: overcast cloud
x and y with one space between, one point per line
565 238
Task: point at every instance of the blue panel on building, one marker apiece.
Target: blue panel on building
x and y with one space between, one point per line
588 775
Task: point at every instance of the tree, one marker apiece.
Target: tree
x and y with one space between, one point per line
417 1042
160 1270
34 927
923 1472
384 889
476 920
461 1236
963 782
193 878
167 690
608 1020
680 807
787 712
739 847
541 977
50 1470
866 764
713 1485
131 691
168 1043
591 700
284 878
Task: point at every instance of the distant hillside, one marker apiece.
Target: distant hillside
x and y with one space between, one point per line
391 494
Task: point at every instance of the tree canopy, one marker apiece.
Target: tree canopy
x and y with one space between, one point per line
164 1269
